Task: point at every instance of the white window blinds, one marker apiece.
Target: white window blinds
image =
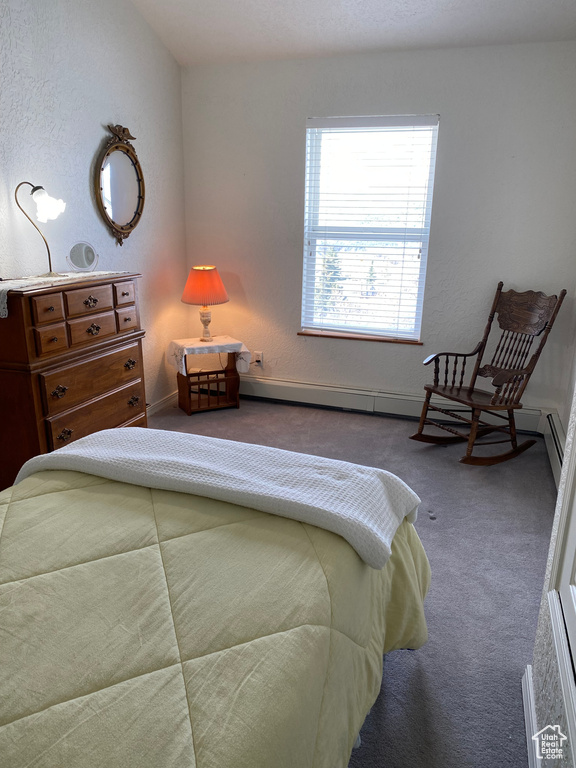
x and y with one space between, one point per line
369 187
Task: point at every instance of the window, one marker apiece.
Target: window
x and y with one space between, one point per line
369 187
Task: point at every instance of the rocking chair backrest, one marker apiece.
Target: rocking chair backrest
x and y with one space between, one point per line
522 317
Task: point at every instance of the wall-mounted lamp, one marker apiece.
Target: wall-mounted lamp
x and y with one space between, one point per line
47 208
204 287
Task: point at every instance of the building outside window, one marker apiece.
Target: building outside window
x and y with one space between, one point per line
369 183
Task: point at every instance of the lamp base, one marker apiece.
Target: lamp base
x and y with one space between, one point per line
205 318
52 274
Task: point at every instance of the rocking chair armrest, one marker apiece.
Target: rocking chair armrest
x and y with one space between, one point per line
475 351
505 376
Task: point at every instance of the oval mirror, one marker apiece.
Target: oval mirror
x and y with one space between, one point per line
120 184
82 257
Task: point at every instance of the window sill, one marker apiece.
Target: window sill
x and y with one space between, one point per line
360 336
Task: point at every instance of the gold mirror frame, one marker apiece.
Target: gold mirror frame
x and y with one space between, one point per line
119 142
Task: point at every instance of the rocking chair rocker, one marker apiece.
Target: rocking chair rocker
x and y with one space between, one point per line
521 317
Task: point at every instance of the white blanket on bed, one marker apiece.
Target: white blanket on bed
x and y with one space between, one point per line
364 505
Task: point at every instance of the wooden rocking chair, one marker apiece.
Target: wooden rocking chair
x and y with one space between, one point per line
521 317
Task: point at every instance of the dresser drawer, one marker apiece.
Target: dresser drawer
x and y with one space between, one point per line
87 330
85 301
51 339
127 319
124 293
74 384
47 309
105 412
139 421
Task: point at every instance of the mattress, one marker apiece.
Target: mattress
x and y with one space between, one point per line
142 627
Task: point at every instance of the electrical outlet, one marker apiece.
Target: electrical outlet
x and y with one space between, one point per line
259 358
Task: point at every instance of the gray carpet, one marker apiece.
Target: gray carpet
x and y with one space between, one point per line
456 702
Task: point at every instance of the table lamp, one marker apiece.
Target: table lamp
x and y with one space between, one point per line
204 287
47 208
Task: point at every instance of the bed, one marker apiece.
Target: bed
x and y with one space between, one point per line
166 601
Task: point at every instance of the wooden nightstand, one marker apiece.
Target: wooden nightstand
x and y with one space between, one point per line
206 390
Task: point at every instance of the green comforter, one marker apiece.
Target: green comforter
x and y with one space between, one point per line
142 628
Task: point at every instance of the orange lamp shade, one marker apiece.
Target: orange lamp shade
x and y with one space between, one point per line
204 287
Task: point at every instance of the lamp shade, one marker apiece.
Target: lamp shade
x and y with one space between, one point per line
204 287
47 208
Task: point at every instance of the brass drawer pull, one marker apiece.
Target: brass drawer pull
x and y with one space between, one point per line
66 434
130 364
125 293
93 330
59 392
127 319
134 400
54 338
91 301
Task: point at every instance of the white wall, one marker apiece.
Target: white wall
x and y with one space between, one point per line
504 201
68 68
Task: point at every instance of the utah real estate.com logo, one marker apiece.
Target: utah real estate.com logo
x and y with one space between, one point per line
549 743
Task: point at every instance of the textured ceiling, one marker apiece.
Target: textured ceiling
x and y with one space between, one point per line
198 31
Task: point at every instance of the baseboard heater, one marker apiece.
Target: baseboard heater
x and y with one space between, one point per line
555 440
366 401
558 446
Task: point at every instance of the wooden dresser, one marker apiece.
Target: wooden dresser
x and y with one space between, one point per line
70 364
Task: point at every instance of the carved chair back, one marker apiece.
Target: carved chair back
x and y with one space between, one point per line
525 320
